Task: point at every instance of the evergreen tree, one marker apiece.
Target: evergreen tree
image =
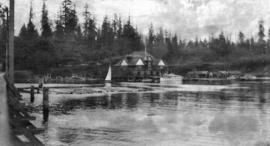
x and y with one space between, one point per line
114 25
175 43
79 34
261 35
169 55
151 39
261 31
197 41
131 39
268 42
3 32
241 37
252 44
118 36
23 32
242 43
173 48
31 30
86 15
119 28
69 17
159 45
59 28
46 30
106 32
220 46
90 29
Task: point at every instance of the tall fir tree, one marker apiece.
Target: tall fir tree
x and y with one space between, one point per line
220 45
261 42
69 17
105 32
46 30
151 39
119 28
241 43
87 16
261 31
268 42
32 33
175 43
59 27
131 38
159 45
23 32
78 33
241 37
89 28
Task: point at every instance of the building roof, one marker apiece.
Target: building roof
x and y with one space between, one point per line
138 58
124 63
161 63
141 54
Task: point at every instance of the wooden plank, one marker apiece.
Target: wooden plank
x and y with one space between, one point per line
23 138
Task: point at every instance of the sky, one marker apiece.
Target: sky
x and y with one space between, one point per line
187 18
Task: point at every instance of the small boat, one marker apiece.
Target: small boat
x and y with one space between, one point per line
232 77
248 77
171 77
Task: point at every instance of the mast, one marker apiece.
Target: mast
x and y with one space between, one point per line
145 51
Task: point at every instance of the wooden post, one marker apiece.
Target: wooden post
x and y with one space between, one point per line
45 104
32 94
11 42
38 90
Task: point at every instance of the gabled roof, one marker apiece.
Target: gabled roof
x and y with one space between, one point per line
161 63
138 58
140 63
124 63
141 54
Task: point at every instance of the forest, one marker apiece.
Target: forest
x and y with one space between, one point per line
64 43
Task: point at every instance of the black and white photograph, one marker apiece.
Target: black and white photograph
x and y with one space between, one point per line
134 72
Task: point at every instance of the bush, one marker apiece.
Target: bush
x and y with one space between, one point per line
23 76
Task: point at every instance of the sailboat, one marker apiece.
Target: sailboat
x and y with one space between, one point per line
108 79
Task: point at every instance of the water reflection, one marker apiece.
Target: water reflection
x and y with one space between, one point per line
228 117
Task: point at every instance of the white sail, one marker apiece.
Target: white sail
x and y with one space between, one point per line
109 75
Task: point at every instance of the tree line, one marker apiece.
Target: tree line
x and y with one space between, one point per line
65 41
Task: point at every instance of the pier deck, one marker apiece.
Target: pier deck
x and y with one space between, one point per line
16 127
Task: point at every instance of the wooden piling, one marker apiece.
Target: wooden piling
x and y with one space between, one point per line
32 94
45 105
11 41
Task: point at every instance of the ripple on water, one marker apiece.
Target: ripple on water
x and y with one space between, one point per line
234 128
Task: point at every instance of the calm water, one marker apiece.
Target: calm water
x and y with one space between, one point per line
166 115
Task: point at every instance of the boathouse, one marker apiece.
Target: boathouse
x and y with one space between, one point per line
138 66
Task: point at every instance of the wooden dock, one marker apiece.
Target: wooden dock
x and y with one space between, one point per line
21 130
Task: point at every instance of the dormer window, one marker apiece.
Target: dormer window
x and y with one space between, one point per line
124 63
139 63
161 63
